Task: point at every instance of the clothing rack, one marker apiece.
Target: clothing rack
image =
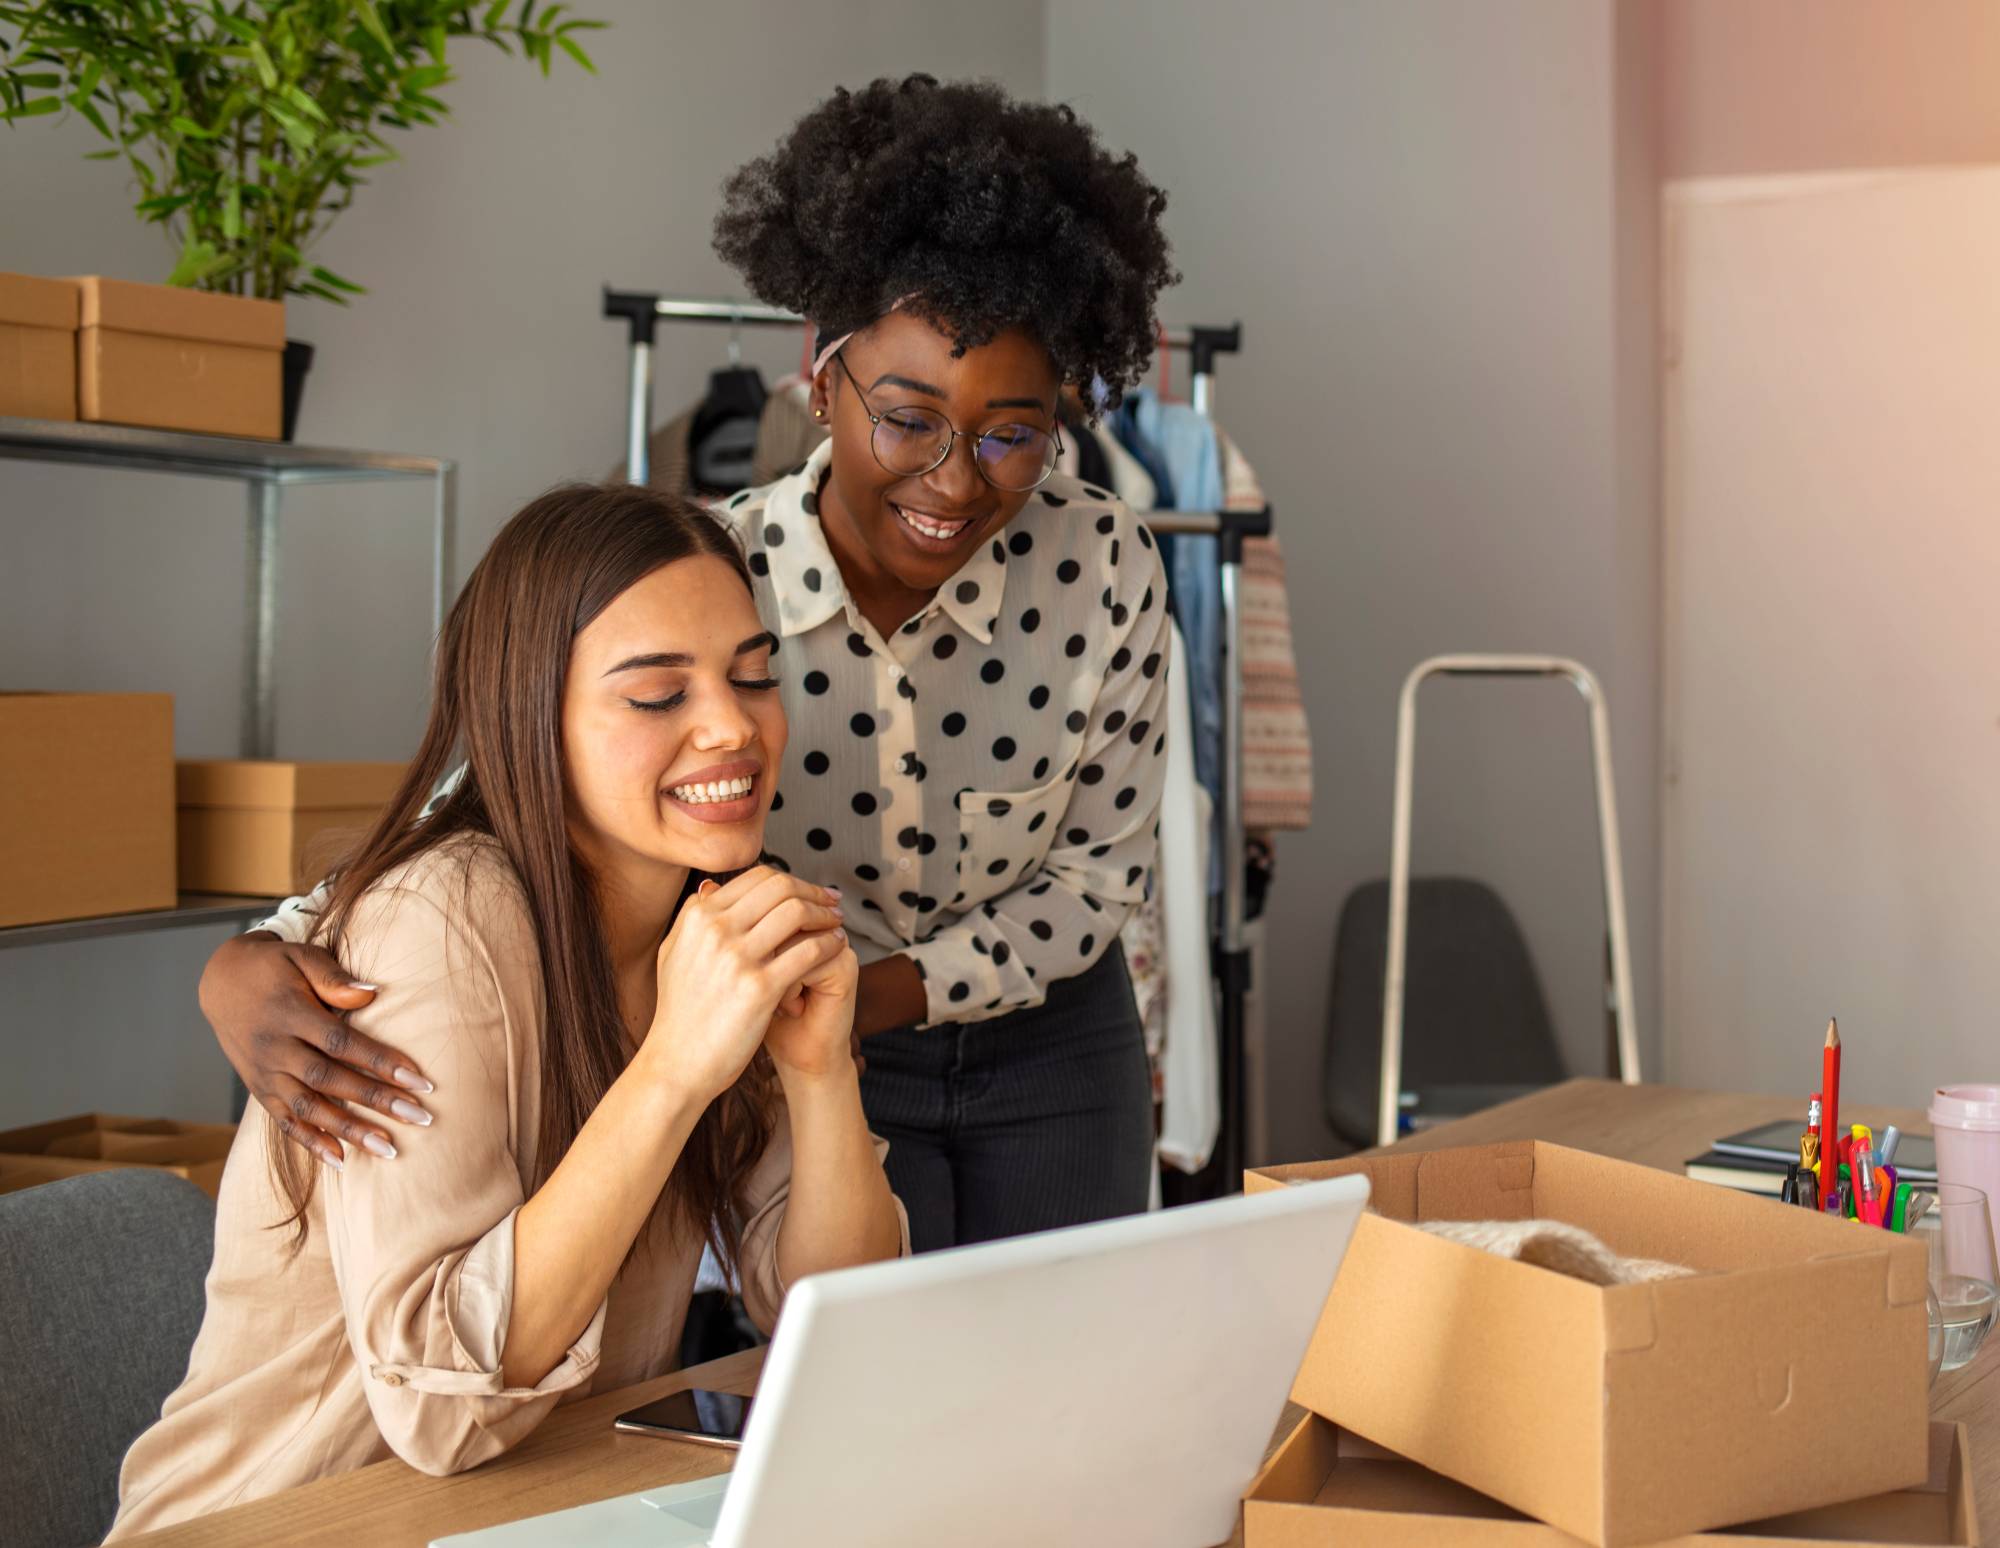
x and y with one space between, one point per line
642 312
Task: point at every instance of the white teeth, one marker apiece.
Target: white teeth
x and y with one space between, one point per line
930 528
702 792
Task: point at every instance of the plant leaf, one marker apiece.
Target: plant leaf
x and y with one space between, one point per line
328 277
569 47
266 71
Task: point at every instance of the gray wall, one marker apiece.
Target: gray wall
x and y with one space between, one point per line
1434 220
480 341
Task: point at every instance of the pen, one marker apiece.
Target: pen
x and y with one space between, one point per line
1885 1153
1867 1200
1788 1190
1899 1208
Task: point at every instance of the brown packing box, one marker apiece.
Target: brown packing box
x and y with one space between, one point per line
175 359
266 827
37 347
104 1142
1632 1413
86 805
1321 1489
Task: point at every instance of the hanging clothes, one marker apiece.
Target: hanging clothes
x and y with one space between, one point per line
1177 447
1277 744
1189 1065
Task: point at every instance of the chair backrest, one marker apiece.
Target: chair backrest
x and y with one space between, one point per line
1473 1010
100 1299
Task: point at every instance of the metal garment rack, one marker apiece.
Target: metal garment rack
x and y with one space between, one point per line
643 311
266 469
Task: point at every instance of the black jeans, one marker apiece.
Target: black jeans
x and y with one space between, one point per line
1024 1122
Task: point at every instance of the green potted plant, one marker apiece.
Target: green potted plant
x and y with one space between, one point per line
249 124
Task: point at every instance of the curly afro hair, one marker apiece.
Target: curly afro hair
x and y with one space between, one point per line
987 213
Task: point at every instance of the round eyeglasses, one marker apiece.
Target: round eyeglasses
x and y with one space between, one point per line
911 440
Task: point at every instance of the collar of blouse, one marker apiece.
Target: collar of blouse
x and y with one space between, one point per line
806 581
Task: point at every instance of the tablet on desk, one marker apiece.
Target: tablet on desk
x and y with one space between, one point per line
1916 1157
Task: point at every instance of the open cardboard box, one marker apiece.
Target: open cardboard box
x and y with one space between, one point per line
1631 1413
103 1142
1324 1489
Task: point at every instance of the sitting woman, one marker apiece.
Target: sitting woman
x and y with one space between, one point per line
628 1060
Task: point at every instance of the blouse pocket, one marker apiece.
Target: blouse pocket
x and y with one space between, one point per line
1004 836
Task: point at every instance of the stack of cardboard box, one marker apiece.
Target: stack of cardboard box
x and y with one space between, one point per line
1458 1397
113 352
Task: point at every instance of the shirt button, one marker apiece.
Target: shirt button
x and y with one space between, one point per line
895 672
391 1379
903 863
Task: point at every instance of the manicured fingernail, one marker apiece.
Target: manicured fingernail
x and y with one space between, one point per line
355 983
410 1080
409 1112
335 1162
832 892
380 1146
839 934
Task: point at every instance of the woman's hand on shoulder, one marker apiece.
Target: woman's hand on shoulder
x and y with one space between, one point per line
735 952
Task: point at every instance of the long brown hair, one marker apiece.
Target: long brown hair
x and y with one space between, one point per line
496 705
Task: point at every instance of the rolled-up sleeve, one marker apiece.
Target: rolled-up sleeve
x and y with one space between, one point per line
423 1245
761 1202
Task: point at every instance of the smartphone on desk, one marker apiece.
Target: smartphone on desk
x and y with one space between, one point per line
699 1415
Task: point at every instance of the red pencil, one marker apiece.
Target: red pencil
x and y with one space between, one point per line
1829 1109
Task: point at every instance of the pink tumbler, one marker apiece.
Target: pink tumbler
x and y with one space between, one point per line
1965 1122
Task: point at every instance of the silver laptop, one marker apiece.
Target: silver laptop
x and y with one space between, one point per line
1105 1384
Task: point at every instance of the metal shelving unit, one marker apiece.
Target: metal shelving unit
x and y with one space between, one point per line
265 469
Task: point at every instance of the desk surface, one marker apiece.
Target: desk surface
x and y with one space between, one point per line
576 1457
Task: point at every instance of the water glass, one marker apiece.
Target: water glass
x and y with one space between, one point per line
1957 1231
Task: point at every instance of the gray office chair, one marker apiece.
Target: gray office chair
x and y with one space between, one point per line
1477 1026
100 1299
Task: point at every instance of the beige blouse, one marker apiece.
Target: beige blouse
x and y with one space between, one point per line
383 1335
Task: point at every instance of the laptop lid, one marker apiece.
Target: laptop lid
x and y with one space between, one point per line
1111 1383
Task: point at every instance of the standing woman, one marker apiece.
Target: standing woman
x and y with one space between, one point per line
973 658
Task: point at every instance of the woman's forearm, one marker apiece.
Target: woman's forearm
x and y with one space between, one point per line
889 994
572 1236
839 1211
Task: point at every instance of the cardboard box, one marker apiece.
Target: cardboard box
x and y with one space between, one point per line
104 1142
1322 1490
1636 1412
38 321
266 827
86 805
175 359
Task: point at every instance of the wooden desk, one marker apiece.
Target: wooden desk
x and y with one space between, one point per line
576 1457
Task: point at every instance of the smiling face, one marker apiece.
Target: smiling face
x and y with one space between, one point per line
902 538
672 728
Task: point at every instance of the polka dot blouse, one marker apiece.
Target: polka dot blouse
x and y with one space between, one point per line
984 784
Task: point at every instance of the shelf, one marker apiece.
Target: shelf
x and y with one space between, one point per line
194 908
212 456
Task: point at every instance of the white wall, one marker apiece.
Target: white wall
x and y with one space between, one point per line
1415 209
1834 844
481 341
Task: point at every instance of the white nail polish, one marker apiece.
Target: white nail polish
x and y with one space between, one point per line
337 1165
409 1112
379 1146
410 1080
355 983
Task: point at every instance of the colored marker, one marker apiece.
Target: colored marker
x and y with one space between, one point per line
1885 1153
1867 1198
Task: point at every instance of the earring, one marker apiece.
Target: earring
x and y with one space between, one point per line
819 413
